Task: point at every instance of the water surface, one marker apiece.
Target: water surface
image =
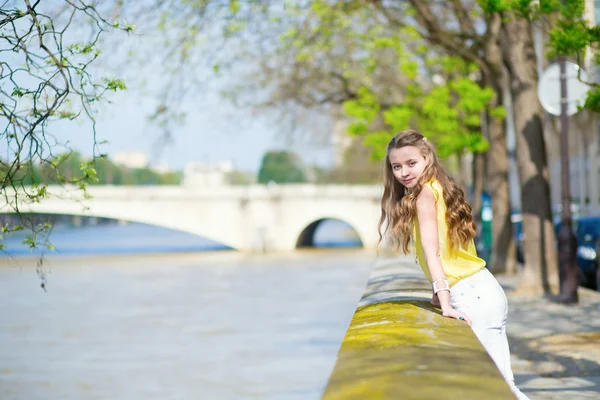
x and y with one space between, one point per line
215 325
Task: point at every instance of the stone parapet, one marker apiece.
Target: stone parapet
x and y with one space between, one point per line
398 346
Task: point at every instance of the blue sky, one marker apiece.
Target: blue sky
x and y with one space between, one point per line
214 130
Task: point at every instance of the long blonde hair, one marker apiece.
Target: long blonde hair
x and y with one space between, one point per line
398 204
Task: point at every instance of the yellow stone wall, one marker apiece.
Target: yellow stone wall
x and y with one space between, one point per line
401 347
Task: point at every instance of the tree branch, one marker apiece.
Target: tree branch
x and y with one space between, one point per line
464 20
427 19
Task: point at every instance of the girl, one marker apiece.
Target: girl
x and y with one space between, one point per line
420 201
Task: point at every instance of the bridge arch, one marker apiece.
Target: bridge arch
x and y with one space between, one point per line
307 236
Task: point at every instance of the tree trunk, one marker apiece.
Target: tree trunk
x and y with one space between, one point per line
504 253
478 178
503 257
541 270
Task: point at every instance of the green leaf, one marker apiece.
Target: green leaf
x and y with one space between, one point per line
358 128
409 68
115 84
498 112
18 92
234 6
378 142
398 117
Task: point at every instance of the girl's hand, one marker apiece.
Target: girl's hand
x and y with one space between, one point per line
435 300
452 313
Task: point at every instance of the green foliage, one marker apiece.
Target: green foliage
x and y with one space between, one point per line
73 168
572 36
493 6
386 72
378 142
448 114
115 84
364 110
46 78
240 178
592 102
380 66
398 117
280 167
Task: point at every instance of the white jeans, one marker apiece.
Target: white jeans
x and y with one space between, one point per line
481 297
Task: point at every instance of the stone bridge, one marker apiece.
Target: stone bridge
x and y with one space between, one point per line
246 218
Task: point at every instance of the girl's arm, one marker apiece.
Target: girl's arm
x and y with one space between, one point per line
435 300
428 228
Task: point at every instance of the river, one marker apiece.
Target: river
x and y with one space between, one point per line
182 324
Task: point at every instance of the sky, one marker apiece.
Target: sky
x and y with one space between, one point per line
214 129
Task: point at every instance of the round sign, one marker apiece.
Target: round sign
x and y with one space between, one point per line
549 88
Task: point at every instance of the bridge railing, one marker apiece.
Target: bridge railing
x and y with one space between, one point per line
398 346
218 192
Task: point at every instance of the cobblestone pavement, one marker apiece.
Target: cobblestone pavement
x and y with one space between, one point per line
555 348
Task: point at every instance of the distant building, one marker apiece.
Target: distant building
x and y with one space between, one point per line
201 174
131 159
161 168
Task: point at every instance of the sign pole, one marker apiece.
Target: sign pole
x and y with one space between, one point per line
566 238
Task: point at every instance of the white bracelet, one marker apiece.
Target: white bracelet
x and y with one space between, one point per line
446 287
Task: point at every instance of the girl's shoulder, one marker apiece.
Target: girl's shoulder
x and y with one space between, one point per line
436 188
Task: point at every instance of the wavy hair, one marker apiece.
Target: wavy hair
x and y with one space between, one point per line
399 204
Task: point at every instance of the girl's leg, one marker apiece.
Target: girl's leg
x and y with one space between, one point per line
482 298
494 340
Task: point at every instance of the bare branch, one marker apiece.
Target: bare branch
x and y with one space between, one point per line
464 20
435 34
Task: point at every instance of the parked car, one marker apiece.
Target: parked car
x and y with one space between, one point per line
587 232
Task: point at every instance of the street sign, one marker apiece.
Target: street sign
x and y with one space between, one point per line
549 88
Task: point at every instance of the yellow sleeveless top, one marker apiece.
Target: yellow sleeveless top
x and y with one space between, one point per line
458 263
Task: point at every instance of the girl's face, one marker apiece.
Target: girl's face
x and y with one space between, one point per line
408 164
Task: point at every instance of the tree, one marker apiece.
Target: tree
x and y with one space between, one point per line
541 264
572 36
240 178
67 165
448 112
45 78
357 166
569 34
280 167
